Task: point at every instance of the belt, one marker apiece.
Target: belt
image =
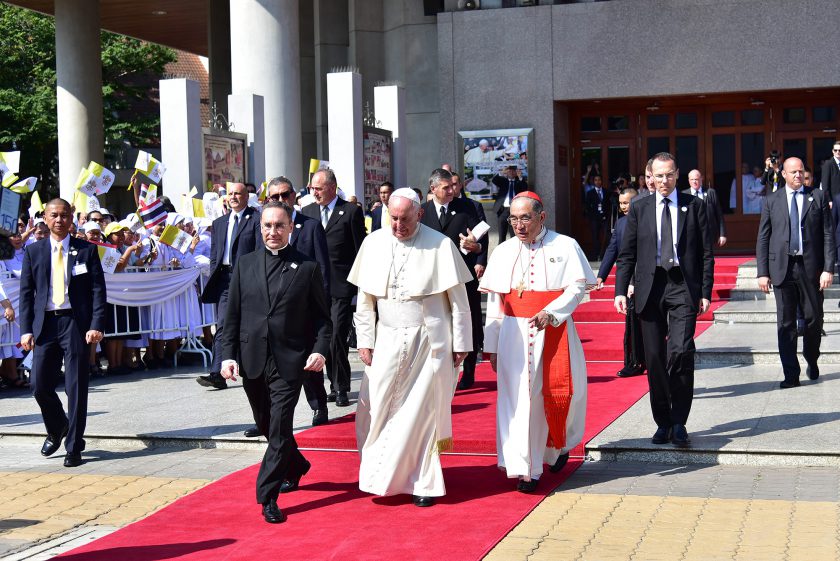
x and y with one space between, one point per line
795 258
58 313
226 268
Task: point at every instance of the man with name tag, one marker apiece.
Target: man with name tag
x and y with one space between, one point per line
795 254
62 313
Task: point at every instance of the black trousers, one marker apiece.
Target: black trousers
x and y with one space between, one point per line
221 311
273 401
798 291
338 365
634 349
504 228
60 339
667 322
474 298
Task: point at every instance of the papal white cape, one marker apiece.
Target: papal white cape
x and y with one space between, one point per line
552 262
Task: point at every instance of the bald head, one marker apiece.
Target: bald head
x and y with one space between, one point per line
794 173
695 179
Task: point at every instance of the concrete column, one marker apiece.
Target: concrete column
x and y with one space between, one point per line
180 137
309 143
331 46
78 65
265 60
389 106
344 111
218 53
247 113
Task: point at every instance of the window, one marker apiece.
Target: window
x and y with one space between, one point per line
618 123
723 119
824 114
657 145
752 117
793 115
685 121
590 124
658 121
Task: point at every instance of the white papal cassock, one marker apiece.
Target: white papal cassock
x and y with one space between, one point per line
403 418
553 262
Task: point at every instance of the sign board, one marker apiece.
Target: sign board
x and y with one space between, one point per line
9 211
377 153
225 156
486 154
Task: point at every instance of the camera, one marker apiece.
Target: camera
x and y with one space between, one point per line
774 157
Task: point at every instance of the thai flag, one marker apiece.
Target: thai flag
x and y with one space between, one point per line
151 214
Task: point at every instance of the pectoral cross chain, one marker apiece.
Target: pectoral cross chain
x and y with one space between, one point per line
520 288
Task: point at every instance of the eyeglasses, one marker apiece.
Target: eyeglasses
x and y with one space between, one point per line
524 220
275 227
661 177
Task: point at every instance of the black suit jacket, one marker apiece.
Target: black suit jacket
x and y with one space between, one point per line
835 214
308 238
345 232
86 291
714 212
376 219
591 202
293 326
773 245
611 254
248 238
638 249
461 215
830 178
503 185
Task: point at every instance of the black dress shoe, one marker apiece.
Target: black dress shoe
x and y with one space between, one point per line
252 432
72 460
786 384
679 436
293 481
558 465
331 397
466 382
341 399
423 501
527 486
630 371
272 513
813 371
53 442
212 380
661 436
320 417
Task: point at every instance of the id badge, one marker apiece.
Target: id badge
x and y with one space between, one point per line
80 269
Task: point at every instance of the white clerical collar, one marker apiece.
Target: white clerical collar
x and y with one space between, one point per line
276 252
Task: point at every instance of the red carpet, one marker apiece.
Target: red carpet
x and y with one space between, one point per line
329 518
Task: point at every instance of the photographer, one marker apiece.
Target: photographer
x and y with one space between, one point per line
772 178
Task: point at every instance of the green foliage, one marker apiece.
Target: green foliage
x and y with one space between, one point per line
28 90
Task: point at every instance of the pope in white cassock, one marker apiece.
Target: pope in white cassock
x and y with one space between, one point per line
414 278
534 282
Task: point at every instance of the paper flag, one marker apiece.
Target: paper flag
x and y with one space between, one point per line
86 183
9 179
10 162
35 204
103 177
25 186
313 165
109 256
149 166
176 238
193 191
212 205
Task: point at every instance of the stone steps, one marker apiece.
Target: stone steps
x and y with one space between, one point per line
741 344
764 311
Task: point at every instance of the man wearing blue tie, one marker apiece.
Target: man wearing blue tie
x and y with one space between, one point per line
795 254
62 313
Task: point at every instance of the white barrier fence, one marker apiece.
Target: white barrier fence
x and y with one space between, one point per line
147 301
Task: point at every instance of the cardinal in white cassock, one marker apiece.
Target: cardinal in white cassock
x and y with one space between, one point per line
414 278
534 282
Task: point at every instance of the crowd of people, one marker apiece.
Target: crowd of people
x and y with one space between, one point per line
404 287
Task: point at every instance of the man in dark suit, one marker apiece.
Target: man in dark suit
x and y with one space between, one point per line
795 253
714 212
344 224
634 352
596 209
830 178
376 214
308 238
62 313
506 189
667 249
235 234
278 333
455 218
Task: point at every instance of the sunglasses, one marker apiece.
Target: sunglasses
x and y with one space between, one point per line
278 196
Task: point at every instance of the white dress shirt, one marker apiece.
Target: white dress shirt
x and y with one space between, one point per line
674 208
65 247
330 208
439 206
229 237
800 203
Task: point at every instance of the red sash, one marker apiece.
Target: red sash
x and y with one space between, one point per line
557 387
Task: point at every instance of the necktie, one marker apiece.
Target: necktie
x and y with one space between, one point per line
386 216
510 190
325 216
443 216
58 277
600 195
794 224
235 228
666 253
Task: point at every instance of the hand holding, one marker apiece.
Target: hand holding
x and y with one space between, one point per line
469 243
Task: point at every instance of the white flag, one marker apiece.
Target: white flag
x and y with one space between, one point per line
149 166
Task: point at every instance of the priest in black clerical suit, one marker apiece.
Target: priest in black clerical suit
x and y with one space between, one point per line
279 333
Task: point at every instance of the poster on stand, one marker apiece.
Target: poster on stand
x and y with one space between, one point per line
377 150
487 153
225 157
